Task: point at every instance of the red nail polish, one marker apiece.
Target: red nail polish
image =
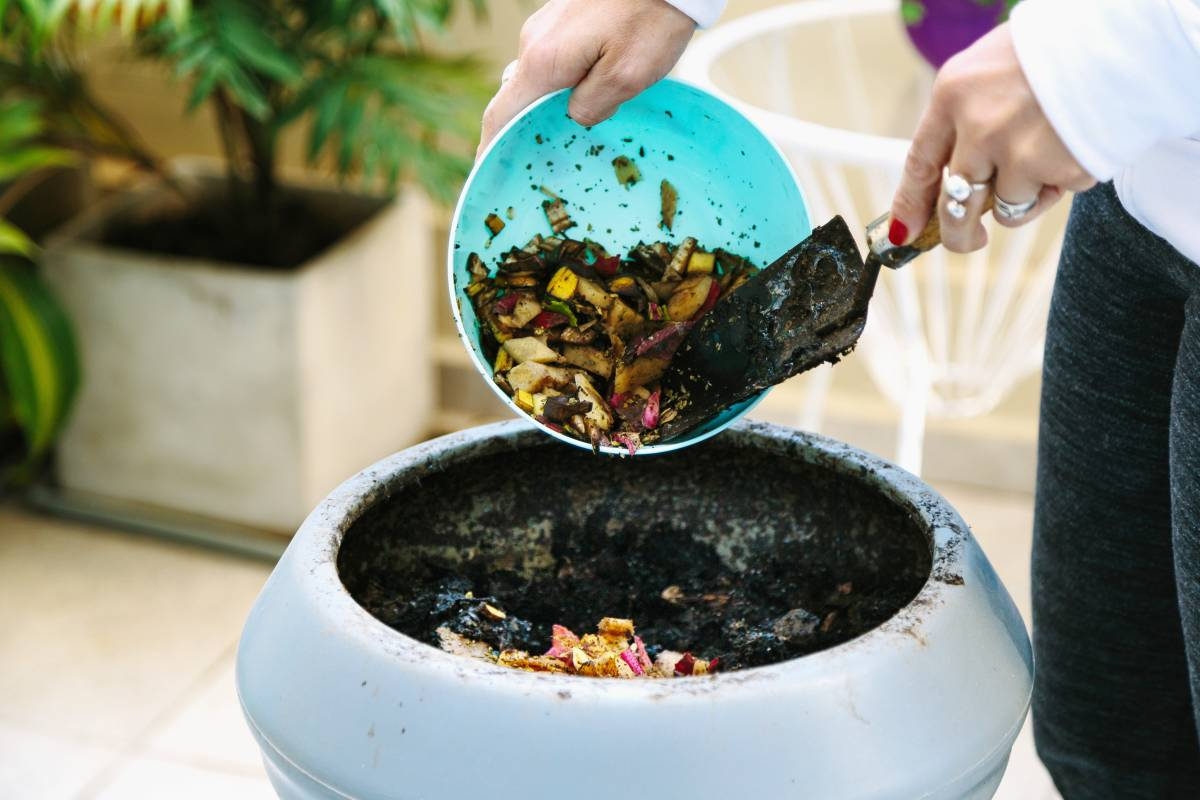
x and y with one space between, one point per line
897 232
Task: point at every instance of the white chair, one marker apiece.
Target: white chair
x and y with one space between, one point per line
832 82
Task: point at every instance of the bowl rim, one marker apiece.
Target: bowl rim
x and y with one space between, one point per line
484 369
316 546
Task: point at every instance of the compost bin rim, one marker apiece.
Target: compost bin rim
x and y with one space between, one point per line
320 536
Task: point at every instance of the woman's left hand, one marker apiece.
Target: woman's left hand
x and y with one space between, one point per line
985 123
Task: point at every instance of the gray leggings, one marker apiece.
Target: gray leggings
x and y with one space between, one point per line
1116 559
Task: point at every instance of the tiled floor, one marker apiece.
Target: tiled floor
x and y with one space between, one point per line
117 673
116 681
1003 524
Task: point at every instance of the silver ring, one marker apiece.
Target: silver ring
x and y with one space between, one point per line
955 208
1012 211
959 189
507 74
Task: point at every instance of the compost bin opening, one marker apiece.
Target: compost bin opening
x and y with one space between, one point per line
712 550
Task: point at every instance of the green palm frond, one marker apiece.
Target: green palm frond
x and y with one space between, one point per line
228 46
21 125
38 22
128 15
39 370
21 154
354 71
391 116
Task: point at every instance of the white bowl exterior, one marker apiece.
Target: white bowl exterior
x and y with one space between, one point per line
927 705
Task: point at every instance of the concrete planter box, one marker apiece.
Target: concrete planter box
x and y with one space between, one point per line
240 393
926 705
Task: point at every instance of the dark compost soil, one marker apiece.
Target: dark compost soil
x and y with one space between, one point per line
728 554
760 616
284 238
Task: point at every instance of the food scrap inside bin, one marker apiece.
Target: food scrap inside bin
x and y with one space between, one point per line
614 651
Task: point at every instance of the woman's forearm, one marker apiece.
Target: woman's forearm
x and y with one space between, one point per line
1114 77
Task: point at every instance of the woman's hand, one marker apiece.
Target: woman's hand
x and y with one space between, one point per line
608 51
985 122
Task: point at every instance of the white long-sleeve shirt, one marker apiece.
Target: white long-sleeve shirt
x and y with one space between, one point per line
1120 82
705 12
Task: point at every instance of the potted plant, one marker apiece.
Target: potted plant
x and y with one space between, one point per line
940 28
250 339
39 370
49 123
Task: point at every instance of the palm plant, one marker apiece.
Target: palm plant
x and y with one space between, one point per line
39 370
376 104
48 119
39 60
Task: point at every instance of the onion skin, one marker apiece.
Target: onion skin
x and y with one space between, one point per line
650 413
608 266
632 660
548 319
505 304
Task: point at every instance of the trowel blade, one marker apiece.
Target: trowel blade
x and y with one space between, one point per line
807 308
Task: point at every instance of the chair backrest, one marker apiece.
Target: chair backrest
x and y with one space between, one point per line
832 81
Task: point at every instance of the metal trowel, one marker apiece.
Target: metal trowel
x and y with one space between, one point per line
807 308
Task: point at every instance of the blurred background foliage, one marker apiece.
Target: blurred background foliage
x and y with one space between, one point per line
377 106
356 72
39 371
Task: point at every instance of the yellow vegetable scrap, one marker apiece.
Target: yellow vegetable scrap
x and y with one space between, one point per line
614 651
701 262
563 284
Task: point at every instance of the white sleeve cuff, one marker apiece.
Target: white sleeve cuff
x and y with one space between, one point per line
705 12
1113 77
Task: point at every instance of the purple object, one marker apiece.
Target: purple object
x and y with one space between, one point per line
941 28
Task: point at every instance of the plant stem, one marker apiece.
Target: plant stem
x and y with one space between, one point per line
13 194
130 145
249 146
227 127
262 154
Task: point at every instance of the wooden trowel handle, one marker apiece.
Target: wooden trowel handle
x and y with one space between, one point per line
895 257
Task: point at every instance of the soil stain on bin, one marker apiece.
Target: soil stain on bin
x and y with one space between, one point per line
725 551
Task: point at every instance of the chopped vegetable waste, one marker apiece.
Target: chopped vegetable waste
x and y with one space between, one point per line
670 197
627 172
614 651
563 319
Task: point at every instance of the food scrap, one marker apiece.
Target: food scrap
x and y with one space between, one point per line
494 224
778 610
556 214
627 172
614 651
670 199
580 338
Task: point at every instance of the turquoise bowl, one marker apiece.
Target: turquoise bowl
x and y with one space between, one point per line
736 190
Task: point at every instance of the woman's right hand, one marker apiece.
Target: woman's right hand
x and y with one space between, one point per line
608 51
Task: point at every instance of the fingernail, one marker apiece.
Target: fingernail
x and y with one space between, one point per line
897 232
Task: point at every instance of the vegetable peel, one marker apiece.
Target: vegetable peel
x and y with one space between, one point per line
614 651
563 315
